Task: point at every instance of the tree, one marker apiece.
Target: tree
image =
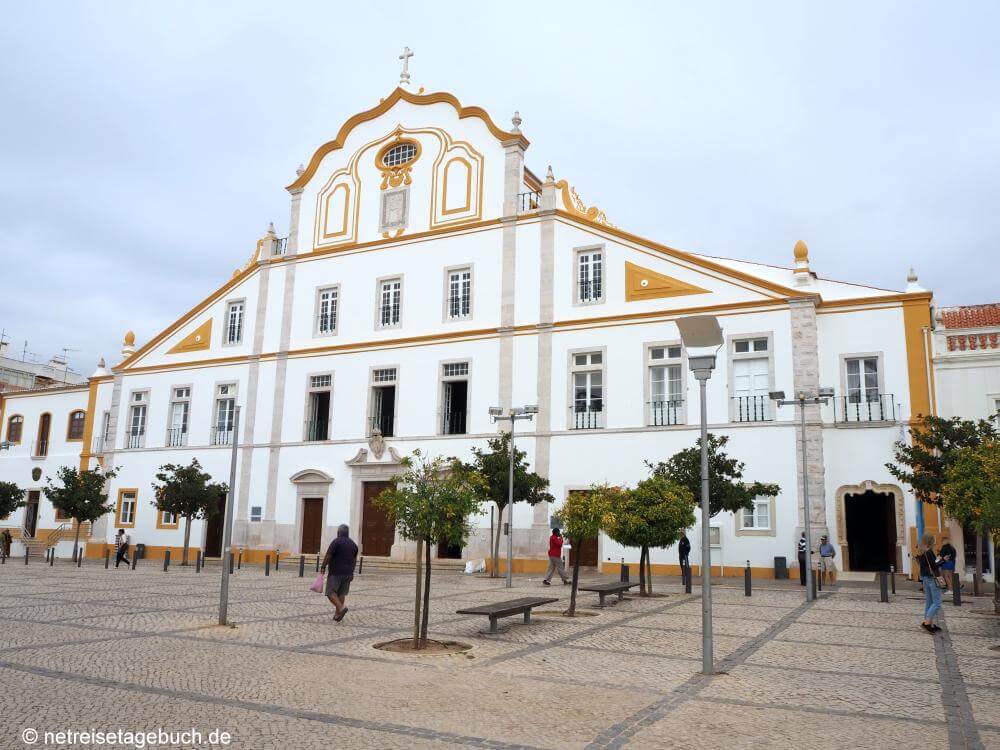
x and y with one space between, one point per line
971 493
727 490
583 516
924 462
11 498
81 496
432 500
494 466
653 514
187 492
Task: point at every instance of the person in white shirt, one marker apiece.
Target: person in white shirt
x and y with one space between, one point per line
121 548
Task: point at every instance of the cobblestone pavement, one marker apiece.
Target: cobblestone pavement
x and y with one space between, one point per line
86 648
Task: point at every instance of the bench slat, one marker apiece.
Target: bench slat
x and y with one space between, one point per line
607 587
510 607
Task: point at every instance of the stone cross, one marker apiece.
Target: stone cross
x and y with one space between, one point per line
404 77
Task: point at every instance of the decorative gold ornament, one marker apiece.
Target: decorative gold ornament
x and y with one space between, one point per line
574 204
394 175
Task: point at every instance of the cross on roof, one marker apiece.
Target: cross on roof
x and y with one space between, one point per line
404 77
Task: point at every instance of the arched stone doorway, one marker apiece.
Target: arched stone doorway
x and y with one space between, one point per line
871 526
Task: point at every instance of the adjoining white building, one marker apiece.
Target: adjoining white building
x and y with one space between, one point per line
967 385
428 275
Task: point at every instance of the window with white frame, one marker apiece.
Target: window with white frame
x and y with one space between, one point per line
758 517
587 379
382 404
180 411
103 440
234 323
394 210
319 400
862 379
138 405
256 513
327 304
666 384
751 379
863 399
459 293
390 298
168 519
225 414
126 508
589 276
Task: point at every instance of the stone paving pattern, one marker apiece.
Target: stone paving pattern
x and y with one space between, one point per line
140 650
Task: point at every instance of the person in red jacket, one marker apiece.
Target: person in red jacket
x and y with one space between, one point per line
555 559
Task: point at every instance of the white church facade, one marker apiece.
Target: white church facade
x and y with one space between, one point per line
427 275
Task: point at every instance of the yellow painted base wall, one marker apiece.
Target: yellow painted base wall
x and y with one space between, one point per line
521 565
661 569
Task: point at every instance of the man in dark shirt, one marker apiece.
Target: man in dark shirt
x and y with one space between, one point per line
683 553
802 559
340 558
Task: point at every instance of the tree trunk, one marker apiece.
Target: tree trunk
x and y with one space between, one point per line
642 571
649 571
416 601
996 580
495 572
977 580
427 592
576 580
76 539
187 539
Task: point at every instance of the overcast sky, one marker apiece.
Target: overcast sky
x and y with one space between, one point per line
145 146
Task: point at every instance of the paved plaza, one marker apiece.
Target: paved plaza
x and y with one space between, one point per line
138 650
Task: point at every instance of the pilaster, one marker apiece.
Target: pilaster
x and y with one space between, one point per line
513 179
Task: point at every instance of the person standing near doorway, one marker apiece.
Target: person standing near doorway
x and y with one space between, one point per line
340 558
121 548
827 554
555 559
802 559
948 554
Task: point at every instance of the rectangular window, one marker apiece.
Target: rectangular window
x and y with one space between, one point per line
234 323
666 385
864 400
126 507
225 414
590 276
326 311
256 513
42 440
319 400
587 378
180 409
459 293
390 301
759 518
136 437
454 398
382 407
751 379
168 519
862 380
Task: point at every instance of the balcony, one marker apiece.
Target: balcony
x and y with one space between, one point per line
317 429
453 423
135 440
177 437
665 413
99 445
752 409
40 448
872 407
222 435
587 419
530 201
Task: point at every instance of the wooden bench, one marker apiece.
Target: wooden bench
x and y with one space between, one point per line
604 589
507 609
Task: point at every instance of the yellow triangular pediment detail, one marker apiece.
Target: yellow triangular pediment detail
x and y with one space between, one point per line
200 338
642 283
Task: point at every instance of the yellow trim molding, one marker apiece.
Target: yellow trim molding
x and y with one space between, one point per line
88 426
643 283
916 317
198 340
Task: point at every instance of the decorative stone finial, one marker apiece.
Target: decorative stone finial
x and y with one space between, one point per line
100 362
516 120
101 370
404 77
129 338
801 251
912 283
803 276
300 170
270 229
549 177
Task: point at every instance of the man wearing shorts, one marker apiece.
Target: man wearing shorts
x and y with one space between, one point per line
826 555
340 558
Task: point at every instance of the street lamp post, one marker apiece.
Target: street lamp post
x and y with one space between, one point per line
227 533
702 338
497 415
823 396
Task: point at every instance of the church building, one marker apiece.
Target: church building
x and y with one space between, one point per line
428 274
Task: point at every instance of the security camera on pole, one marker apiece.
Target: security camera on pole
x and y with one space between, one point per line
497 415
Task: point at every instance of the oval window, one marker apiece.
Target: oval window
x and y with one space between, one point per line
400 154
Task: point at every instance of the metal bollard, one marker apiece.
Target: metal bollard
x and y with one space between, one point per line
230 556
197 562
624 572
135 558
277 559
52 559
746 580
27 553
956 589
361 564
166 560
239 561
317 563
819 575
883 586
107 557
892 578
687 578
267 565
79 558
814 585
302 565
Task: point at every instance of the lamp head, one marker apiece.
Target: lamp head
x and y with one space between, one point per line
826 392
496 411
700 331
517 410
777 395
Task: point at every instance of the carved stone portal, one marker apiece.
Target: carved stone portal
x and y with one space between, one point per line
860 489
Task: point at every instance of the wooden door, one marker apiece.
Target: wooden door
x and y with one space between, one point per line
312 525
377 533
587 552
213 534
31 512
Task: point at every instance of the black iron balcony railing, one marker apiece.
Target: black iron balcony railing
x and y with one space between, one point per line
875 407
662 413
752 409
97 446
453 423
317 429
587 419
177 437
135 439
589 291
222 435
382 424
529 201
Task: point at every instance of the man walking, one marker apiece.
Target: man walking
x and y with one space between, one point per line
121 548
5 540
802 559
684 553
555 559
826 555
340 558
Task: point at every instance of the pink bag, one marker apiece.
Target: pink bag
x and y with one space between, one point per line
317 585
